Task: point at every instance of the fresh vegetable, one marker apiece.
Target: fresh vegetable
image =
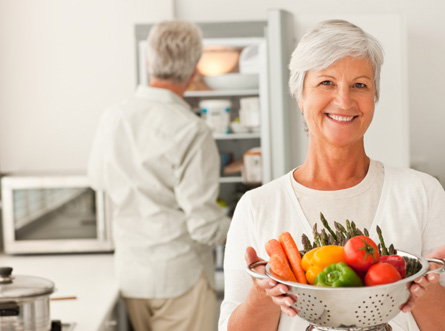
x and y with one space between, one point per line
293 255
280 266
413 266
382 242
273 247
361 252
397 261
314 261
278 261
382 246
381 273
340 236
338 275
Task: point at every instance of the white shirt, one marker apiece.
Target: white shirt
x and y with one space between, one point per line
344 204
410 212
159 165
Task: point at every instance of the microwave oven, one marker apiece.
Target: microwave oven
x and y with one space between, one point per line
54 214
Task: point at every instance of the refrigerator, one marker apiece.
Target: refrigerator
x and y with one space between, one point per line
256 49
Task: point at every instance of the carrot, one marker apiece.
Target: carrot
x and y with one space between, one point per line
273 246
293 255
280 267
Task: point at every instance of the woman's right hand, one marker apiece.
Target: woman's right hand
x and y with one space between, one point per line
276 291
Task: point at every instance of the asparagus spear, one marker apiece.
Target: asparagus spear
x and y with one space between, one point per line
382 242
355 230
326 225
391 250
324 237
340 238
306 243
349 229
341 228
366 232
316 235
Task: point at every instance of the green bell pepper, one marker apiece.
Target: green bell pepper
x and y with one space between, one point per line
338 275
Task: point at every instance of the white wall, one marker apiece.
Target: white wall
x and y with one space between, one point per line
61 63
68 60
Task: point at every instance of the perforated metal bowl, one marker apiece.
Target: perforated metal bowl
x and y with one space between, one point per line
350 308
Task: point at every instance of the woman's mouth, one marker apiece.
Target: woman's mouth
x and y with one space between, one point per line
340 118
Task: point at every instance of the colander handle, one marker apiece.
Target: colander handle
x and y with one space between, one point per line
438 270
255 274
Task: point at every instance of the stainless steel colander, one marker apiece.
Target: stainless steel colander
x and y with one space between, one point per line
351 308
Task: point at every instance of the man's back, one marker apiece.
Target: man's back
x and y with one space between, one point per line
158 164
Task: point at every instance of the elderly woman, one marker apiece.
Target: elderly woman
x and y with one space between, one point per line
335 74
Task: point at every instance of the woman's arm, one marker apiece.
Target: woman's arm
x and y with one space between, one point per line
430 302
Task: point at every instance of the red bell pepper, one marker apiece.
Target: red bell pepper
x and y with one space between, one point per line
397 261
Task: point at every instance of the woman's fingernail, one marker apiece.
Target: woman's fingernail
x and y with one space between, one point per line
288 303
272 284
419 280
432 276
416 288
282 291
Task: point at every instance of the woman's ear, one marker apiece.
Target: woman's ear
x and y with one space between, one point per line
300 104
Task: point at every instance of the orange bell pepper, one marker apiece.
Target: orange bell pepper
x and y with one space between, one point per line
314 261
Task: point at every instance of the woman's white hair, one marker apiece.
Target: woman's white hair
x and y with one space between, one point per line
173 50
328 42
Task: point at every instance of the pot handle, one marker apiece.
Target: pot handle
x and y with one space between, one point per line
9 308
437 270
253 273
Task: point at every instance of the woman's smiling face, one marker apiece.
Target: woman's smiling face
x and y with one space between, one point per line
338 102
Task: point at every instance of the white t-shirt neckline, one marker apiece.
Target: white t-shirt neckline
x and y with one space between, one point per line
376 175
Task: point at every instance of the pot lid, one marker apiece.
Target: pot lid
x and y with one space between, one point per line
16 287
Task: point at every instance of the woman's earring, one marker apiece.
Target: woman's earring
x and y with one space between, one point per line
305 127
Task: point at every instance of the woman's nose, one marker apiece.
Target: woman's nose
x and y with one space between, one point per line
344 98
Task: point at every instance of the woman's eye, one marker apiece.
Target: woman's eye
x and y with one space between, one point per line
360 85
326 82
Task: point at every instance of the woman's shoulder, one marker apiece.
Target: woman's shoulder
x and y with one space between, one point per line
271 190
410 177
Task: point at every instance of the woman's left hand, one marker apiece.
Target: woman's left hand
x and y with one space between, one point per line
421 284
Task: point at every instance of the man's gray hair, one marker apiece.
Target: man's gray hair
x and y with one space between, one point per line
328 42
173 50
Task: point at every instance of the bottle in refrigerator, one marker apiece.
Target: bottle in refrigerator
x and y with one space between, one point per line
216 113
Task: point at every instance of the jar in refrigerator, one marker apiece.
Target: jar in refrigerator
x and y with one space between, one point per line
216 113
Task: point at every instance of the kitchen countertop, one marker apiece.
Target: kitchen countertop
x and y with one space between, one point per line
88 277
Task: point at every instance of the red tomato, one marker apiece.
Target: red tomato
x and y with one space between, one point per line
361 252
381 273
397 261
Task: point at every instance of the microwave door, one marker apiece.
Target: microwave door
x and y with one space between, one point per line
51 216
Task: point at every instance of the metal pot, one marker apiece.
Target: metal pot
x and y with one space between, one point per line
24 302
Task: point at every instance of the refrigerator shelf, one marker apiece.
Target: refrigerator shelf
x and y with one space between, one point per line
217 93
231 179
253 135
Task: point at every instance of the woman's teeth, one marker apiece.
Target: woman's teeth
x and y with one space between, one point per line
341 118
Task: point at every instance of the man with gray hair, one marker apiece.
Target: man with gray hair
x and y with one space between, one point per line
159 165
